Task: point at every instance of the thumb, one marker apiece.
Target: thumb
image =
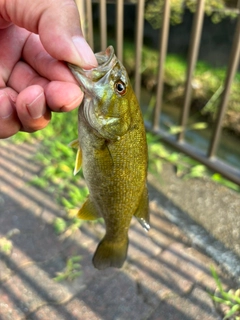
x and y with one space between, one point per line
58 26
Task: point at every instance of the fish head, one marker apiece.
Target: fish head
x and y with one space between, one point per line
108 95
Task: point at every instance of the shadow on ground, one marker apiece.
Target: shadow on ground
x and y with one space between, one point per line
164 277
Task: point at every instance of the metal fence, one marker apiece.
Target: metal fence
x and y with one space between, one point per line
208 158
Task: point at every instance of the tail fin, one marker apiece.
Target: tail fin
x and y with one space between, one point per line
110 254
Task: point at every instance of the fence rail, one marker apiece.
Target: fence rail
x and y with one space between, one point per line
208 158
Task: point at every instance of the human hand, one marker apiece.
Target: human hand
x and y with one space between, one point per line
35 37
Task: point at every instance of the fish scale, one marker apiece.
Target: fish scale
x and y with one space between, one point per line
113 154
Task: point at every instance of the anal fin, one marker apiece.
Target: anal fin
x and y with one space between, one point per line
88 211
142 212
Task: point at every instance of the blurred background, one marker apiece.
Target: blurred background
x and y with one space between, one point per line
182 58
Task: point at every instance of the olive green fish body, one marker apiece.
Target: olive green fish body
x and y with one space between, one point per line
113 148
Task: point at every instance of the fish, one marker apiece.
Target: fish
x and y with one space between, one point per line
112 152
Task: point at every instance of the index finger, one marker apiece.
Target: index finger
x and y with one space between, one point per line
58 25
42 62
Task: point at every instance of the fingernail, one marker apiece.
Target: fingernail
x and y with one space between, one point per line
86 54
37 109
6 108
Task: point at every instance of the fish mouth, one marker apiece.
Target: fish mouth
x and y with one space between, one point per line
106 61
104 58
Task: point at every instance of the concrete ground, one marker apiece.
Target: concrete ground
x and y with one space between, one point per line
165 275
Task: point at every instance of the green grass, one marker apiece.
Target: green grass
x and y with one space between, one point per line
71 271
231 299
217 10
58 159
5 245
206 82
186 167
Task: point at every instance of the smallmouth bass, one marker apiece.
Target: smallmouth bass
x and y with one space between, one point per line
112 151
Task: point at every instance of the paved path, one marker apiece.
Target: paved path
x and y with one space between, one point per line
164 277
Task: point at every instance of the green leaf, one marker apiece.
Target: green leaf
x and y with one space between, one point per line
77 274
233 310
69 264
199 126
64 148
234 297
76 258
175 129
60 277
71 270
76 266
220 300
39 182
218 178
215 276
5 245
67 204
59 225
197 171
173 157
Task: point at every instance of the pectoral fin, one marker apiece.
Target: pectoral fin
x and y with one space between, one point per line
78 161
142 212
88 211
74 144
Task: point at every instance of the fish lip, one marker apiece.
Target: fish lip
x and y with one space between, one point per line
104 58
106 61
86 78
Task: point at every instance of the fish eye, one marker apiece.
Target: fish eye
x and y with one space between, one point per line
120 88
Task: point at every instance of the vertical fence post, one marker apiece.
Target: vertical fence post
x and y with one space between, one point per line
232 68
162 55
81 10
192 58
103 24
119 31
89 23
139 43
